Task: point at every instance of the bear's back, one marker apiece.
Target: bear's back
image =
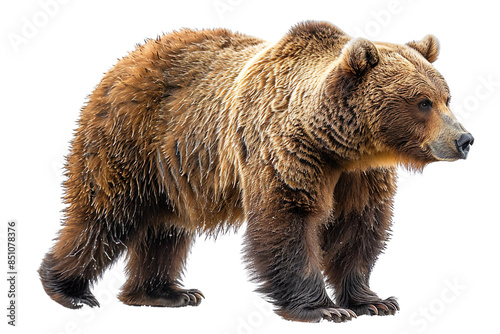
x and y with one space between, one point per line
149 132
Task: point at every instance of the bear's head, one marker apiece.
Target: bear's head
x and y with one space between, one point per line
399 102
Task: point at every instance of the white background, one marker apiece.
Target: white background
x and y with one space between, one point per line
442 260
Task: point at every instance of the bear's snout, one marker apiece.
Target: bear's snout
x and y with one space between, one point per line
464 143
453 141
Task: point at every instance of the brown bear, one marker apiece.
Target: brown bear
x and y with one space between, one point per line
199 131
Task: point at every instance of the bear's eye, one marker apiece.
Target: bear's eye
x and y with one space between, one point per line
425 105
448 101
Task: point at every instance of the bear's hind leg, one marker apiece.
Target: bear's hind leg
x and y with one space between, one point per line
85 248
156 259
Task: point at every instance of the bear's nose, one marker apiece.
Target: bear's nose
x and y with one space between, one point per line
463 144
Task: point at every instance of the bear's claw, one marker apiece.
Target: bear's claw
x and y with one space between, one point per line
193 297
76 302
90 300
372 309
383 307
338 314
167 297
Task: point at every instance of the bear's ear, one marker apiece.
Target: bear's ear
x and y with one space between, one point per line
358 56
428 47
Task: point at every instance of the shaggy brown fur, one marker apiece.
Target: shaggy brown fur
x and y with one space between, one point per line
198 131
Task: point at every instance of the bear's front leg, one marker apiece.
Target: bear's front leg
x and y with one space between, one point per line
282 246
354 238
